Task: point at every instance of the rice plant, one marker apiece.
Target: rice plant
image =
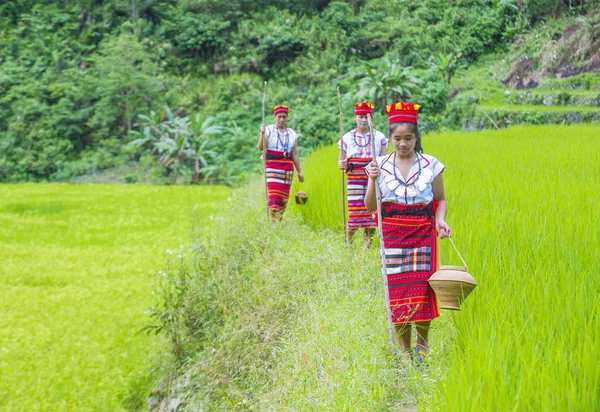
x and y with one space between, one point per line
78 267
522 206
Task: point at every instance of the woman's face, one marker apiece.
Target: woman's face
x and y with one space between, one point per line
404 140
361 121
281 120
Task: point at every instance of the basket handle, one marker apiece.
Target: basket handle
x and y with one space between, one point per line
457 252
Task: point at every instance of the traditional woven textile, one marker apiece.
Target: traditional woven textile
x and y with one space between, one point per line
280 172
409 238
358 216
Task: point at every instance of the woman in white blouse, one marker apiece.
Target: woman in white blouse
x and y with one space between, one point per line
355 155
413 214
281 158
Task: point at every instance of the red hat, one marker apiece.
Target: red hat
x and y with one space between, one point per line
363 108
280 109
402 112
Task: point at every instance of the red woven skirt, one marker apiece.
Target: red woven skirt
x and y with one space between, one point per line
280 172
410 242
358 216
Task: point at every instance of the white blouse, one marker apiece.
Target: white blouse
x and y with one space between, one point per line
280 141
357 145
417 189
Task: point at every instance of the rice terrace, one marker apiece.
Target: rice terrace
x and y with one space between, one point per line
373 205
78 269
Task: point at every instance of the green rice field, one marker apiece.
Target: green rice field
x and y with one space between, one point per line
523 207
78 264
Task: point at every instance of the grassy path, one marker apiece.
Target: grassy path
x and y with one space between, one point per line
78 264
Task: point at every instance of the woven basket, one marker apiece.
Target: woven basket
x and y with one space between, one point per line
452 285
301 198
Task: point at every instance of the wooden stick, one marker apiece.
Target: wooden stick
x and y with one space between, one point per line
382 246
484 112
265 141
341 157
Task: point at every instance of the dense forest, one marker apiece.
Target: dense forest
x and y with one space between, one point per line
175 87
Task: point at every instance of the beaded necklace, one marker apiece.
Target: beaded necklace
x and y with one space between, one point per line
280 140
414 178
368 137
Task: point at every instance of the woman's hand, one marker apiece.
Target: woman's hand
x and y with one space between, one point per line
443 229
342 164
300 177
373 169
262 128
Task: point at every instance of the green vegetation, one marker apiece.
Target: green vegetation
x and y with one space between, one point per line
78 267
169 91
309 332
544 109
76 78
281 317
529 236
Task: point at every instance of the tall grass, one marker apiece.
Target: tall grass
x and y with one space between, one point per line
292 319
281 317
77 269
524 214
323 184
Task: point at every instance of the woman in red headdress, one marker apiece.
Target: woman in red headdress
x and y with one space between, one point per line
355 154
413 212
281 157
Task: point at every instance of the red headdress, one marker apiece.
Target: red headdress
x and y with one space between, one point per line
402 112
280 109
363 108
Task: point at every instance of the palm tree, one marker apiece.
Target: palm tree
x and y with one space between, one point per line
175 139
200 131
166 134
386 82
447 65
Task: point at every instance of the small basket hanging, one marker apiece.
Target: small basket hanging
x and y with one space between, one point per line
452 284
301 198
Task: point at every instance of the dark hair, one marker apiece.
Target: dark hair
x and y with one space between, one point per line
414 128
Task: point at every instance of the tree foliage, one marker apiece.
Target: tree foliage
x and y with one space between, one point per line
75 76
387 82
178 142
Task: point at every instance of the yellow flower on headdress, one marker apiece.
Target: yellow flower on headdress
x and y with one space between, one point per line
402 106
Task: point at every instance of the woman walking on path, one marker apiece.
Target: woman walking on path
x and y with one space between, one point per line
413 210
355 155
281 158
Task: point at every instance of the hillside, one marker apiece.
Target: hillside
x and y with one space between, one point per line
171 90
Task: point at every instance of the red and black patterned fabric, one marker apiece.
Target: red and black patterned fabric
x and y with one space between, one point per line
410 243
358 216
280 172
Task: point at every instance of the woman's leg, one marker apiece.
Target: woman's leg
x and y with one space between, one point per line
403 336
368 236
423 336
276 215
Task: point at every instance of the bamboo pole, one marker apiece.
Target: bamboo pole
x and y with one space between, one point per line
265 142
484 112
341 157
382 246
